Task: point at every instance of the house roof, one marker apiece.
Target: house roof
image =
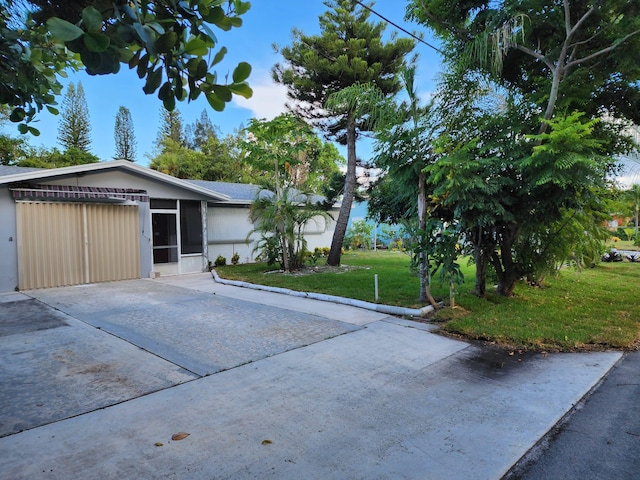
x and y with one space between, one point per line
13 170
20 174
243 193
236 191
247 193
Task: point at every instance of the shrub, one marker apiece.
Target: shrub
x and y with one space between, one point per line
281 220
358 235
313 257
269 248
220 261
235 259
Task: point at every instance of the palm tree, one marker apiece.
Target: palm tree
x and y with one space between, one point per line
281 220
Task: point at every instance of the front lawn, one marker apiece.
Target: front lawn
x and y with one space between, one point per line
579 310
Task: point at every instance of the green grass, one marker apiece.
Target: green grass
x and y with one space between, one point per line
396 286
589 309
624 245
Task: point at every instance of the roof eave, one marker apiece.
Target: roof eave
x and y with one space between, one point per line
114 164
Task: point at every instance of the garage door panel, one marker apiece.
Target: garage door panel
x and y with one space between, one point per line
69 244
46 260
113 248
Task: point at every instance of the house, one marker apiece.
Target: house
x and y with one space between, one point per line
118 220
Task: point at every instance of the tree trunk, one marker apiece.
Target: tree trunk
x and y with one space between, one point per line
347 199
506 268
507 281
481 262
285 252
452 297
483 246
423 257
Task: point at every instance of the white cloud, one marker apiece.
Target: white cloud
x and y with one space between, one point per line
426 96
268 100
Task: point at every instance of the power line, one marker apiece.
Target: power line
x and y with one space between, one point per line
398 26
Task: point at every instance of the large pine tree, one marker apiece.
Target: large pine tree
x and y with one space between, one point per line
200 132
74 130
171 128
124 136
349 50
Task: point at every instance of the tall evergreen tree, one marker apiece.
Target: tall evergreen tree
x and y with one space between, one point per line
200 132
74 130
124 136
349 50
170 128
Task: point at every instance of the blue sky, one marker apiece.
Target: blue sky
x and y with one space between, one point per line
268 22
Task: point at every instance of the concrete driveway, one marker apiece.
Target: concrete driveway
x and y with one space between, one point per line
101 377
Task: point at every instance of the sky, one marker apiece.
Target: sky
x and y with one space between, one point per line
268 22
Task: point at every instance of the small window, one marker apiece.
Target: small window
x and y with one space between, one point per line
190 227
162 204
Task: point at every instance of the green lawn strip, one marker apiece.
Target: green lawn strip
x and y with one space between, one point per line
624 245
396 285
578 310
589 309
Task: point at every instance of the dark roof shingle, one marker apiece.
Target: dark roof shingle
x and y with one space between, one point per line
13 170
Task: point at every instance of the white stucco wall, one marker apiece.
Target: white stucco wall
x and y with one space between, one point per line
8 244
319 232
228 227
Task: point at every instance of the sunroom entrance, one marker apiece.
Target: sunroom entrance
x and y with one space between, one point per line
178 232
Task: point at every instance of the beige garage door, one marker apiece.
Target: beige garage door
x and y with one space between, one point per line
69 244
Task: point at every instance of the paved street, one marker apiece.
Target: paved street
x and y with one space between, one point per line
601 439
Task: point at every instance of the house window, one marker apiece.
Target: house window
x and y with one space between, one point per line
190 227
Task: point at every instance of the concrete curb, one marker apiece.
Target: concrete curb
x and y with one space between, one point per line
391 310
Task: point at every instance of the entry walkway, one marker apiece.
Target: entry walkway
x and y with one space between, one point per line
348 394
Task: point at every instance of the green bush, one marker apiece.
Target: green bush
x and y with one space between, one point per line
270 251
220 261
315 256
235 259
358 235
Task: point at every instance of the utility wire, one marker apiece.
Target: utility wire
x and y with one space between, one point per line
398 26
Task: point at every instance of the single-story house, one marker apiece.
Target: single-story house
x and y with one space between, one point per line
118 220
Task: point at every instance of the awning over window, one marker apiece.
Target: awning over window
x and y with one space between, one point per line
71 192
